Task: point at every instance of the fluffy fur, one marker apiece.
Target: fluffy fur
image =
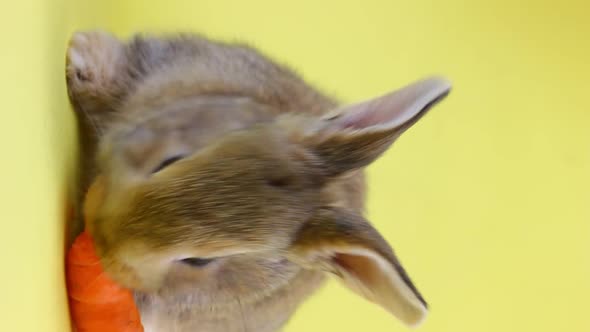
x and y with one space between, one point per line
213 151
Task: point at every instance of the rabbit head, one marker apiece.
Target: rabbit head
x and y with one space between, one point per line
246 200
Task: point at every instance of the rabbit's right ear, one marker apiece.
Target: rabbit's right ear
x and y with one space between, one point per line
344 244
356 135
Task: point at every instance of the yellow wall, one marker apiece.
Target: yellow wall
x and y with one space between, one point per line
486 201
37 143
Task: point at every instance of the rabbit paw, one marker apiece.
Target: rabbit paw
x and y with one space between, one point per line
93 61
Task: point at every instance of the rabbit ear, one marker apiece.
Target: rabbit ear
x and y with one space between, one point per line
345 244
355 135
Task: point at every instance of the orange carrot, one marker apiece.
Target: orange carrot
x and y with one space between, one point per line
97 303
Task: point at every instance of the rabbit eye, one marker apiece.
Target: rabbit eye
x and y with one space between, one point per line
197 262
280 182
167 163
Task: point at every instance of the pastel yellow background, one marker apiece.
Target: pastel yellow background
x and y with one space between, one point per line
486 201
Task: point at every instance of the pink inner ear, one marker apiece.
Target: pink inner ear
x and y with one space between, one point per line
396 108
377 281
360 118
358 266
391 110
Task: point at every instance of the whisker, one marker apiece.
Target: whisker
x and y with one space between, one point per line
244 324
91 120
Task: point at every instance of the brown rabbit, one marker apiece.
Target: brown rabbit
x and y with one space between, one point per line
233 186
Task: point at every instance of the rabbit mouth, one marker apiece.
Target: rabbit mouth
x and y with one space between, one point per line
197 262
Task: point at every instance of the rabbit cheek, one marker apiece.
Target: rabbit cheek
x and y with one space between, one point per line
122 273
136 266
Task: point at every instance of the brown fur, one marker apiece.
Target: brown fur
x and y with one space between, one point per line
265 186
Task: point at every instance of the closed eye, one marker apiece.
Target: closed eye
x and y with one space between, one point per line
167 162
280 182
197 262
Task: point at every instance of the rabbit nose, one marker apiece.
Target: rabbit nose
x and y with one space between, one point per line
197 262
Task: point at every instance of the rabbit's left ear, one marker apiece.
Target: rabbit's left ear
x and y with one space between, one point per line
355 135
344 244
